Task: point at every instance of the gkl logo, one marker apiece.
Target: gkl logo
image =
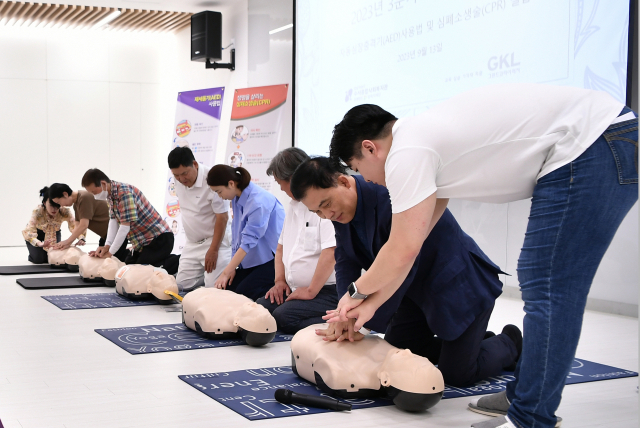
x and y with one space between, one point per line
183 128
502 61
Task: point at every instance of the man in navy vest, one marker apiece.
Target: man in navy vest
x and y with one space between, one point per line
442 309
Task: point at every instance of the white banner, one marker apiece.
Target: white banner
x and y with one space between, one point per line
256 120
196 126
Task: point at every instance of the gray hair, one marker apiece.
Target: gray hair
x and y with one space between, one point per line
284 164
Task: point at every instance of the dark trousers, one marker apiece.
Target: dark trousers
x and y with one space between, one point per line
295 315
154 253
254 282
122 252
462 361
38 255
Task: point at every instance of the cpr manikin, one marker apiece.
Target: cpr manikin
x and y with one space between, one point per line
95 269
367 368
69 256
145 282
220 314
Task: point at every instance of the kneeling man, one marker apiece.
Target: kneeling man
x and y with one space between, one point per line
442 309
132 217
305 282
205 220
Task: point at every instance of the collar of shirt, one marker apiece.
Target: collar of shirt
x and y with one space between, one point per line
358 216
59 216
242 200
359 222
199 178
115 189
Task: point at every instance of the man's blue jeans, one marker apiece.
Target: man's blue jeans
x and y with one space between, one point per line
575 212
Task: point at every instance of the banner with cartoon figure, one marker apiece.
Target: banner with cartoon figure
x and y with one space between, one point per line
256 119
196 126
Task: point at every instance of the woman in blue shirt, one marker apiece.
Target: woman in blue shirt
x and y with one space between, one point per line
257 222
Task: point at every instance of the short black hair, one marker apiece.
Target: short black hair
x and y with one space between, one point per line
363 122
284 163
94 176
57 190
180 156
319 172
45 195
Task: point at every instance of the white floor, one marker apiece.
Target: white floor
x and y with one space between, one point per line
55 371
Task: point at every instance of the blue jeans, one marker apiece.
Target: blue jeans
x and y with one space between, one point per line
575 213
294 315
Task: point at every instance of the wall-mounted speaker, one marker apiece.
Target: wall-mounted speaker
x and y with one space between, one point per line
206 36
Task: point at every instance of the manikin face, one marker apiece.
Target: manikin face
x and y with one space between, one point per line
285 186
227 192
51 210
186 175
371 164
96 190
335 203
65 200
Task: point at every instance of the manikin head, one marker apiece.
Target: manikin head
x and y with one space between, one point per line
362 141
49 206
97 183
283 165
325 190
183 166
61 194
228 182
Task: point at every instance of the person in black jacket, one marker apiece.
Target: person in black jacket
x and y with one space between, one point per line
442 309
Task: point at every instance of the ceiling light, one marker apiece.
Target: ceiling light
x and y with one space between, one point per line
107 19
277 30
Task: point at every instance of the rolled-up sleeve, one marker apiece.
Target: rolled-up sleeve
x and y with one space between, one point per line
127 208
257 221
327 234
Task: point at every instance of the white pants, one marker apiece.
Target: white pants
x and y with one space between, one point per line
191 270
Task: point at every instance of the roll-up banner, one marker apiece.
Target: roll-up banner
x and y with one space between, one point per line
256 119
196 126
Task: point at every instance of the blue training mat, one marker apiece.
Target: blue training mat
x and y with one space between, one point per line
250 392
150 339
95 301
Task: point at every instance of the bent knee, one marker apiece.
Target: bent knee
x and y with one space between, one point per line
458 378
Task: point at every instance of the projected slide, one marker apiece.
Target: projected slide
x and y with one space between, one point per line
408 55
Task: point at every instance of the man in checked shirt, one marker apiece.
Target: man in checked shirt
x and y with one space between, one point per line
130 216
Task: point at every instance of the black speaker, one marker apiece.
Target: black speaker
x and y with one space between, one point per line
206 36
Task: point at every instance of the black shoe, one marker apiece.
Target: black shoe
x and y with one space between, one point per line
513 333
488 335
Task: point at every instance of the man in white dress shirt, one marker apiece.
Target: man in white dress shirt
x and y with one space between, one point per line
305 282
207 250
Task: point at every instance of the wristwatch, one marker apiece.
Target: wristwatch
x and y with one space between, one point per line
353 292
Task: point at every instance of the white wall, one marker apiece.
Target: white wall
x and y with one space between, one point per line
271 61
77 99
71 100
499 230
193 75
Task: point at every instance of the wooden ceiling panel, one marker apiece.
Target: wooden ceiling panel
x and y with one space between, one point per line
15 13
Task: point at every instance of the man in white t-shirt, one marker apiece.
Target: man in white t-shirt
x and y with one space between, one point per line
305 282
574 151
205 220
